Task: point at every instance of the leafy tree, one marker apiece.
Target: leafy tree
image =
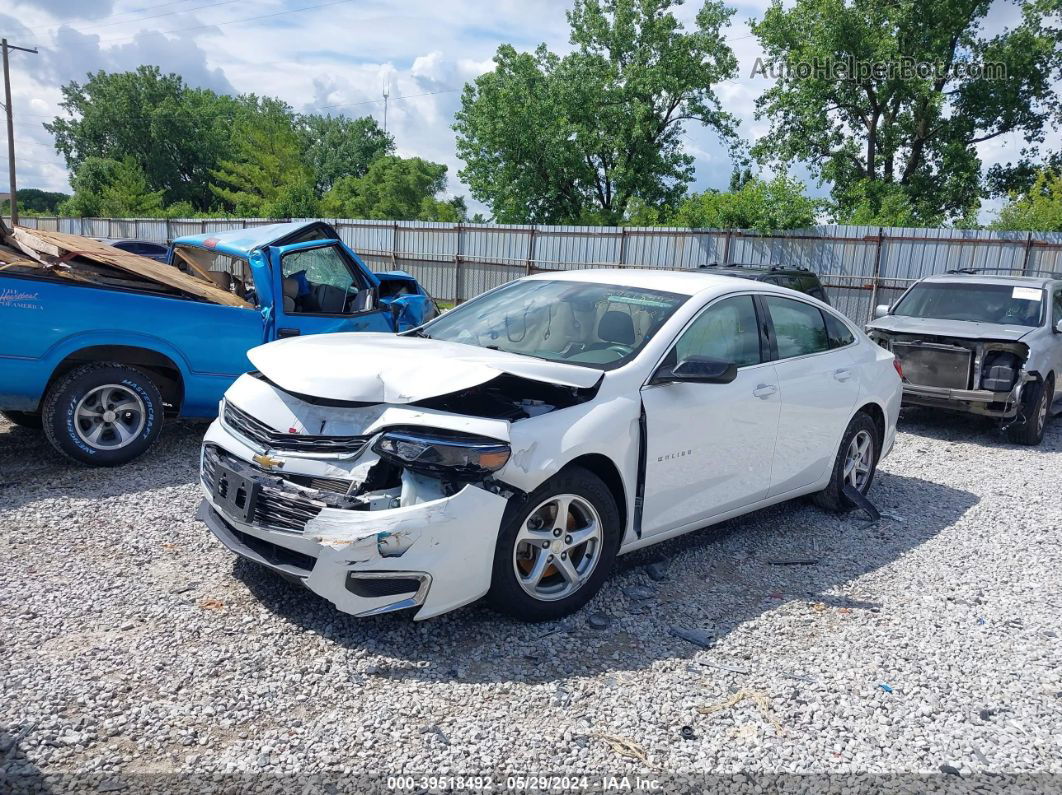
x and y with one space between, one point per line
1003 179
875 203
336 147
175 134
917 130
548 139
34 201
397 188
1037 210
762 205
112 188
267 175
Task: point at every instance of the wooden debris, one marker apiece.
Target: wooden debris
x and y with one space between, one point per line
89 261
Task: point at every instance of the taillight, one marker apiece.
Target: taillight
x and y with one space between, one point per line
899 367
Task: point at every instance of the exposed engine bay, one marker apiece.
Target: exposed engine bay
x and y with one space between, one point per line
983 376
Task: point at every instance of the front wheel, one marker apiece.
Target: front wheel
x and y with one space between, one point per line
855 465
555 547
103 413
1035 407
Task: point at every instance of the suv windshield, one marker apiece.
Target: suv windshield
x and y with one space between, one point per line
593 325
977 303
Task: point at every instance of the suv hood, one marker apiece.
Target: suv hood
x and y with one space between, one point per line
384 368
949 328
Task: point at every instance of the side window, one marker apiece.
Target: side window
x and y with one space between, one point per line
317 281
839 334
726 330
1057 301
798 327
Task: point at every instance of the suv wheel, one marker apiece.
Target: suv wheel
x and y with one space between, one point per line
855 465
1033 413
103 413
555 547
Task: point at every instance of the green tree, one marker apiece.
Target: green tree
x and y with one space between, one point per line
34 201
875 203
548 139
335 146
402 189
267 175
113 189
1037 210
175 134
762 205
917 129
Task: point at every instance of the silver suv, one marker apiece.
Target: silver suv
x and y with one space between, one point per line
979 343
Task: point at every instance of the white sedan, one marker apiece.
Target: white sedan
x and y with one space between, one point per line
515 445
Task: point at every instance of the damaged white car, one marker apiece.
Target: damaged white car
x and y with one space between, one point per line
515 445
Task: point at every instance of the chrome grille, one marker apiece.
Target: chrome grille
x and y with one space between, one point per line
260 433
276 508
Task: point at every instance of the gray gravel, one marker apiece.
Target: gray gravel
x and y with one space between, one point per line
133 645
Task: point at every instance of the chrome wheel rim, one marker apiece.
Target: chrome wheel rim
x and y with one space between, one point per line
859 460
1041 417
557 547
109 417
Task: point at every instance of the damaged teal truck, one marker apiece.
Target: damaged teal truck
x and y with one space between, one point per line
99 364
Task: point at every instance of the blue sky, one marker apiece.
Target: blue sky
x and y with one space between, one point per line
336 56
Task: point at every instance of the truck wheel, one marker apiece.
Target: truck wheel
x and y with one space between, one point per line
24 419
555 547
104 413
855 465
1035 409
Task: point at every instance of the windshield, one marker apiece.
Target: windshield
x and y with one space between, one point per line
977 303
594 325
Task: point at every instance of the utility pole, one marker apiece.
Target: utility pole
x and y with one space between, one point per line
386 94
11 127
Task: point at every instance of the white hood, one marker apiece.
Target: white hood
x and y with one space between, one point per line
384 368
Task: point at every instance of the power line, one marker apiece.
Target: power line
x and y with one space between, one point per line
93 28
121 14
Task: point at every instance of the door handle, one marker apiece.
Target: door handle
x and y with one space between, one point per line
287 332
843 374
764 391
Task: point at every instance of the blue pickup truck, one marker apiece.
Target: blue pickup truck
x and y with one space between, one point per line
99 366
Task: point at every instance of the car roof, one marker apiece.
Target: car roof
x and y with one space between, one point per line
687 282
992 278
241 241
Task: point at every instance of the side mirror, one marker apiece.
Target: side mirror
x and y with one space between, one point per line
881 310
697 370
1058 327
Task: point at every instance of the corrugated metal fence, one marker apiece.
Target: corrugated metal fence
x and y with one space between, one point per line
861 266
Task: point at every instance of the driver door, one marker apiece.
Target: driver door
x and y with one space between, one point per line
319 289
710 446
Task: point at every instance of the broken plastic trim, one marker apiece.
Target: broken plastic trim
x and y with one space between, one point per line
857 497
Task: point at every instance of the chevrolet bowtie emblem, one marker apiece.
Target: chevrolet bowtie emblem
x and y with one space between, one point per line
267 461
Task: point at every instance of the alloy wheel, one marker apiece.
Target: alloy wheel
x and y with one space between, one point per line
859 461
557 547
109 417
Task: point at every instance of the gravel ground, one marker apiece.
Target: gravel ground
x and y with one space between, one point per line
134 647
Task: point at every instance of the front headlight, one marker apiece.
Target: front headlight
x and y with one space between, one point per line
444 452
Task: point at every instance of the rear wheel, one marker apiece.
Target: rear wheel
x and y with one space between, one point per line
1033 414
103 413
855 465
24 419
555 547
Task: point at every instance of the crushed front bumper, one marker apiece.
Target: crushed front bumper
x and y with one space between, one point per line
971 401
435 556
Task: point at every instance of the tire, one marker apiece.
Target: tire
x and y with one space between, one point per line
832 497
23 419
590 560
84 401
1034 412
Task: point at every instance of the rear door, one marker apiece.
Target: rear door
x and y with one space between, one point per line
321 287
819 386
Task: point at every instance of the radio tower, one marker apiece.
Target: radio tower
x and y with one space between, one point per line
386 94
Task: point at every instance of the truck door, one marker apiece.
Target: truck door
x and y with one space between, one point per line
320 287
